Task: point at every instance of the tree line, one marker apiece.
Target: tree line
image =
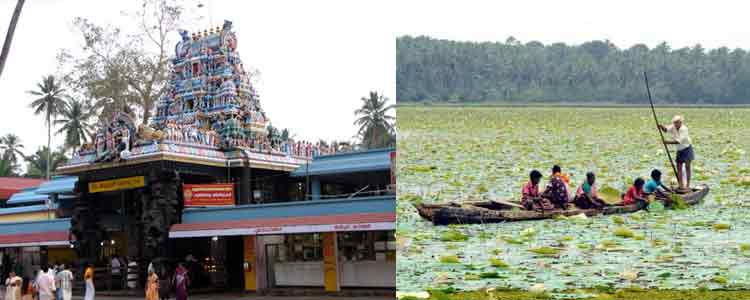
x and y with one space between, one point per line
435 70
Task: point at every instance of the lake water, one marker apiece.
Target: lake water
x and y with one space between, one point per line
458 153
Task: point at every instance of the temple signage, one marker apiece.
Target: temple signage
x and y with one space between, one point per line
117 184
208 194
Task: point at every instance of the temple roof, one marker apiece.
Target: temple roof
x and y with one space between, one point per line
351 162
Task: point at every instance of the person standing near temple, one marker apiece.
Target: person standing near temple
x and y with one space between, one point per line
13 286
88 276
152 287
181 282
46 284
65 280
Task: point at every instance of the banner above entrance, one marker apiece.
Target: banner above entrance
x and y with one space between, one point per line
208 194
117 184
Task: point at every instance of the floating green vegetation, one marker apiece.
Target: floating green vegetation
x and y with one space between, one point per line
720 280
498 263
488 152
545 251
449 259
721 226
453 236
489 275
623 232
678 202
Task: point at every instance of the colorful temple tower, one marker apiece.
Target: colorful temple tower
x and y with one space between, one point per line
210 99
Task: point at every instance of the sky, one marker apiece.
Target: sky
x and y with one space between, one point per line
317 58
680 23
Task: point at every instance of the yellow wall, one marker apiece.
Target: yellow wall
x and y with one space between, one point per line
251 282
330 262
33 216
63 255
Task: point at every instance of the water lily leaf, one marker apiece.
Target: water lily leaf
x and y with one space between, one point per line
545 251
449 259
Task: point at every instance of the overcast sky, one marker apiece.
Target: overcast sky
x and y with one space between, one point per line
317 58
680 23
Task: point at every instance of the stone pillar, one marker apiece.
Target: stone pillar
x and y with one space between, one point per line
315 189
331 262
245 186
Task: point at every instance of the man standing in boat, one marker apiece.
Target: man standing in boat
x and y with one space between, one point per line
685 155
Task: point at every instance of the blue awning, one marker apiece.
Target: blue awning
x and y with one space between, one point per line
351 162
376 204
27 197
26 209
58 185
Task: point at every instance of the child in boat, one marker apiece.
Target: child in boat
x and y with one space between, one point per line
530 197
557 189
635 195
652 185
586 196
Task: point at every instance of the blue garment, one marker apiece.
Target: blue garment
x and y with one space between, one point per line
651 186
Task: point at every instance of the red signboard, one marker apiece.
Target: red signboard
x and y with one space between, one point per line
208 194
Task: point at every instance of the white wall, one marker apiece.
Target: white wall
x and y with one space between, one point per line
308 273
367 274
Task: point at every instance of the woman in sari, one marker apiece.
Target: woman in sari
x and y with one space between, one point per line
88 276
152 288
181 282
13 287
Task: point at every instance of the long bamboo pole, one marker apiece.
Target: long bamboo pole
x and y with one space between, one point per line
656 120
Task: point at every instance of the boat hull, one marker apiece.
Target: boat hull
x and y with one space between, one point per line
499 212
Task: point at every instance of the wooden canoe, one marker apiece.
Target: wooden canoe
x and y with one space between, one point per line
501 211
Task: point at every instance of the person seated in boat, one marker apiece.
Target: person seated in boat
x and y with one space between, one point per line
557 189
586 196
530 197
635 195
654 185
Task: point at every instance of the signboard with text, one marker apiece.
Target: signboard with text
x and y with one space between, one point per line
208 194
117 184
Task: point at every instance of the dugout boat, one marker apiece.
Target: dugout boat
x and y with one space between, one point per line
503 211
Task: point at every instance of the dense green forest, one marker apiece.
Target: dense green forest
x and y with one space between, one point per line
433 70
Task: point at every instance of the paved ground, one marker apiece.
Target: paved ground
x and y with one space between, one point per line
236 296
250 297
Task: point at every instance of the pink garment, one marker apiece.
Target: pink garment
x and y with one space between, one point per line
46 286
529 190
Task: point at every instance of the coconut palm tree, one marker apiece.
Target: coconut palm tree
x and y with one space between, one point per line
374 123
50 103
37 163
6 168
74 124
11 146
9 34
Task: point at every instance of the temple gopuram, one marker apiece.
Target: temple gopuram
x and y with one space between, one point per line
209 183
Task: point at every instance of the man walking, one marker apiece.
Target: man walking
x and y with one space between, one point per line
65 280
46 284
685 155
